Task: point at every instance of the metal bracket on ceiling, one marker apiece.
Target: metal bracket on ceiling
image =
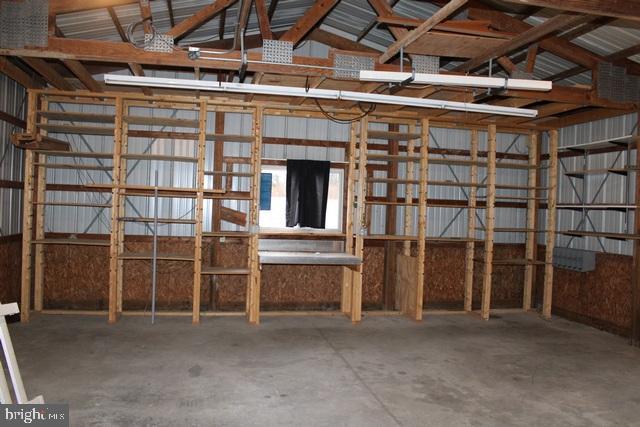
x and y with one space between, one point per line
395 87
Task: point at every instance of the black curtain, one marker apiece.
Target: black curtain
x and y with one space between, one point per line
307 191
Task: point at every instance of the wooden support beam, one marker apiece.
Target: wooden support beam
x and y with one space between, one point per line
408 211
41 184
57 7
550 237
338 42
272 9
314 15
6 117
350 178
253 280
471 225
222 24
422 218
532 35
117 24
617 58
49 74
531 244
197 265
83 75
622 9
425 27
196 20
389 285
115 211
360 223
27 214
635 274
16 74
489 223
532 55
263 19
145 13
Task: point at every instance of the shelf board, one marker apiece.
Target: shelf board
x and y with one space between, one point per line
161 121
77 117
394 136
368 202
230 234
613 236
456 184
80 130
225 271
158 157
79 242
513 261
393 181
301 233
603 143
160 220
390 237
78 154
223 173
73 204
511 230
75 166
230 137
159 257
393 157
308 258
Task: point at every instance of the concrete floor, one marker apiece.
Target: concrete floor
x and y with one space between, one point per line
323 371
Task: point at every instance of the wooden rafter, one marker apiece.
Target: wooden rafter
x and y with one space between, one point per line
587 28
309 20
48 73
338 42
222 24
263 19
57 7
83 75
145 13
616 57
15 73
469 27
272 9
532 55
623 9
426 26
199 18
172 19
532 35
372 24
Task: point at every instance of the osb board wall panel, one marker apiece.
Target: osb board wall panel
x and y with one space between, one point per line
10 261
444 276
229 292
600 298
373 277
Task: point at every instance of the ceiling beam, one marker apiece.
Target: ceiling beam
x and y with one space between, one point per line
532 35
172 19
57 7
49 74
145 13
272 9
338 42
263 20
83 75
372 24
197 19
587 28
623 9
425 27
309 20
532 55
468 27
15 73
616 58
222 24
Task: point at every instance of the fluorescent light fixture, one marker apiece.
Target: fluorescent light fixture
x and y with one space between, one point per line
452 80
315 93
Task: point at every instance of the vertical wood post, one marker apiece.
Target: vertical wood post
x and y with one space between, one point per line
27 214
253 281
115 210
490 222
547 298
41 185
390 247
197 256
356 285
422 216
471 224
408 194
347 273
121 213
531 242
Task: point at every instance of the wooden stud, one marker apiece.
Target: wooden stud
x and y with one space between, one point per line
422 218
408 210
489 223
115 210
253 281
121 211
471 225
531 242
197 265
27 214
547 298
356 285
41 184
390 248
347 273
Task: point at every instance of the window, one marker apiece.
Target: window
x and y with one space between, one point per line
276 216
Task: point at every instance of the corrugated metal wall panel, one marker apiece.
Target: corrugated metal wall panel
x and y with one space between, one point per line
12 101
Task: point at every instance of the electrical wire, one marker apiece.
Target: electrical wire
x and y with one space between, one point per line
334 119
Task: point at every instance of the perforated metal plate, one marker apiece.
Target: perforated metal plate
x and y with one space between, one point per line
614 83
277 51
158 43
426 64
632 88
24 23
349 66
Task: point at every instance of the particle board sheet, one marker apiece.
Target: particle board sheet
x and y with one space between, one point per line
406 283
10 268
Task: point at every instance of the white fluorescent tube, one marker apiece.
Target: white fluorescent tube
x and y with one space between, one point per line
316 93
452 80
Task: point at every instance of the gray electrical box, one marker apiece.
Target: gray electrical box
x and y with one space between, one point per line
574 259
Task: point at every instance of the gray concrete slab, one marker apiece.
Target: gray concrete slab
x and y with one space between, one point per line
323 371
